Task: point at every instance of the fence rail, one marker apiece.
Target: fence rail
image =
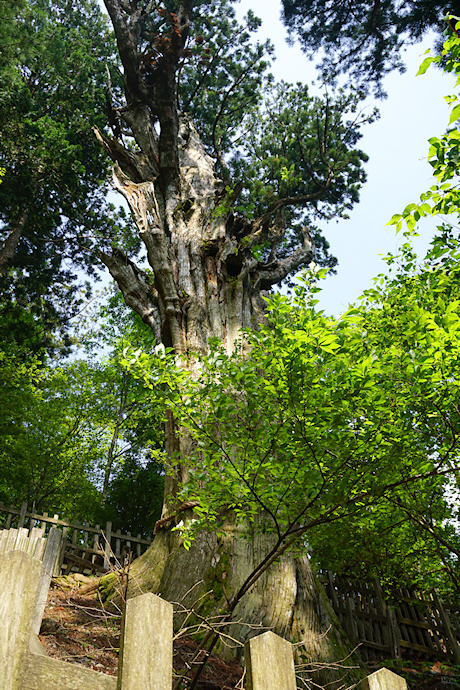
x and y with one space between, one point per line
86 548
423 625
146 651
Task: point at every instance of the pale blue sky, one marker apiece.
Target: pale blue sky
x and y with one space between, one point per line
397 170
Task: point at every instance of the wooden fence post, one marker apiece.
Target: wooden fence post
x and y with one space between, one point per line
53 543
448 631
269 663
19 575
107 545
22 514
383 680
146 645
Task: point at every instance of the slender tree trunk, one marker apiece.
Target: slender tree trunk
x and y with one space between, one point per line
9 247
113 443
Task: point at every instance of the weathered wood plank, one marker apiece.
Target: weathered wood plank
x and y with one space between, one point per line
22 514
39 548
107 547
421 648
35 645
11 538
19 576
45 520
395 635
146 646
269 663
72 558
420 622
415 624
383 680
11 513
3 537
448 630
375 645
53 543
44 673
22 539
138 540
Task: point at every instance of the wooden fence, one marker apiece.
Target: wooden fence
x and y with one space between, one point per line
146 651
421 625
85 548
425 626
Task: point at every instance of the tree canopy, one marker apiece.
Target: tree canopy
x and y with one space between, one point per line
55 68
364 40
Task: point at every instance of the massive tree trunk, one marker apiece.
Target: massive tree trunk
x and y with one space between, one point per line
203 285
203 281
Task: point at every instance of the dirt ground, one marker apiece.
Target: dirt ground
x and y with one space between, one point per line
76 628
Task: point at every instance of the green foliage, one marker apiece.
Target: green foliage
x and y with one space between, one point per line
135 496
299 155
295 162
351 428
364 40
296 144
53 74
222 75
47 445
83 438
443 155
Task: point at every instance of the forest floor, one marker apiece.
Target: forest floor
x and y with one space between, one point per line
76 628
422 674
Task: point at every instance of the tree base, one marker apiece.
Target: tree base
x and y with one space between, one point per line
287 599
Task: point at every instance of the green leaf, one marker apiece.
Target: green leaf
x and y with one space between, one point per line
455 114
395 219
424 66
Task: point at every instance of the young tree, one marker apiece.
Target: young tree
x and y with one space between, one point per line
320 432
225 189
48 446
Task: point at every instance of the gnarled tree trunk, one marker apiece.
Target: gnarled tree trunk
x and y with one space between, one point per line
204 281
205 286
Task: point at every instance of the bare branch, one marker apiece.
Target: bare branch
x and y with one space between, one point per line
136 288
136 166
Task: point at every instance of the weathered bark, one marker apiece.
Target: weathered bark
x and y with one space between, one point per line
204 285
204 281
